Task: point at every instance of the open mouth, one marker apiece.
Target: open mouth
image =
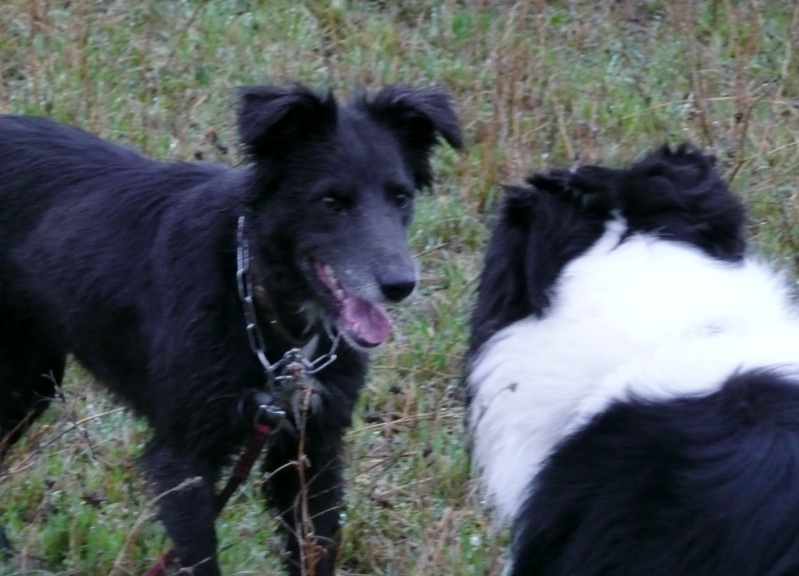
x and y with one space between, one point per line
365 323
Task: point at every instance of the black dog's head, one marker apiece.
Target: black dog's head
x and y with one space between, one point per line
331 197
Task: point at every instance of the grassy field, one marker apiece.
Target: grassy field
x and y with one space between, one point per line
538 84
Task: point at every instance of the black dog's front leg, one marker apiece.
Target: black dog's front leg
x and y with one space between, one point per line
6 550
307 491
187 507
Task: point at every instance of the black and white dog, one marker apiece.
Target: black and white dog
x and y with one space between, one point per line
149 273
634 378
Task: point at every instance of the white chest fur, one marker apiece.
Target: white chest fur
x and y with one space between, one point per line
645 318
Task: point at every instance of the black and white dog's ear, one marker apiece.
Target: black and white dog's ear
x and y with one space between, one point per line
272 118
589 187
418 116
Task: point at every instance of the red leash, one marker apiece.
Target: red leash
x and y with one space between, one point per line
261 433
246 461
159 568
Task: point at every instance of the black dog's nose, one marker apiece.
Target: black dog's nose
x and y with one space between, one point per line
396 287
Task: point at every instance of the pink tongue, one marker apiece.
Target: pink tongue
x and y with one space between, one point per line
367 323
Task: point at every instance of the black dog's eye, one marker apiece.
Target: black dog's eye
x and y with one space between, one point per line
334 203
403 199
401 196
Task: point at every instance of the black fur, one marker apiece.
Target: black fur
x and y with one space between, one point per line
130 264
685 200
536 234
689 486
562 213
686 487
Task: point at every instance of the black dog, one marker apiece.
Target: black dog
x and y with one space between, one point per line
136 268
634 378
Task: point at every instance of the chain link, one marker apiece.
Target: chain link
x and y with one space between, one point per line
273 372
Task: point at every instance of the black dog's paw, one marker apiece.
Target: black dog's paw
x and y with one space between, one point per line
591 188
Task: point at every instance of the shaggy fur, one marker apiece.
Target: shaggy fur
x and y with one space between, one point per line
634 378
130 265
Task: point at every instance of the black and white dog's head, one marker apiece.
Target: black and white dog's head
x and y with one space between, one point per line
633 377
671 194
332 196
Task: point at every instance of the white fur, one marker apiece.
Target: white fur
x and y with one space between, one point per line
646 318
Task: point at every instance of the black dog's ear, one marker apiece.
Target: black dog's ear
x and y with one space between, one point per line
272 118
418 116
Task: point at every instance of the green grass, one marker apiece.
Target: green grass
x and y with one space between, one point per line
538 84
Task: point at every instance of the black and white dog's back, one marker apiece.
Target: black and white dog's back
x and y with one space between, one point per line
634 378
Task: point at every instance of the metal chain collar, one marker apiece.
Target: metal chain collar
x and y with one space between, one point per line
274 372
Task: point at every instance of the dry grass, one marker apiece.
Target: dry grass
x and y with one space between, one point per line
538 83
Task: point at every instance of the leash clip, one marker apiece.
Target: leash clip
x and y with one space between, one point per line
268 415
